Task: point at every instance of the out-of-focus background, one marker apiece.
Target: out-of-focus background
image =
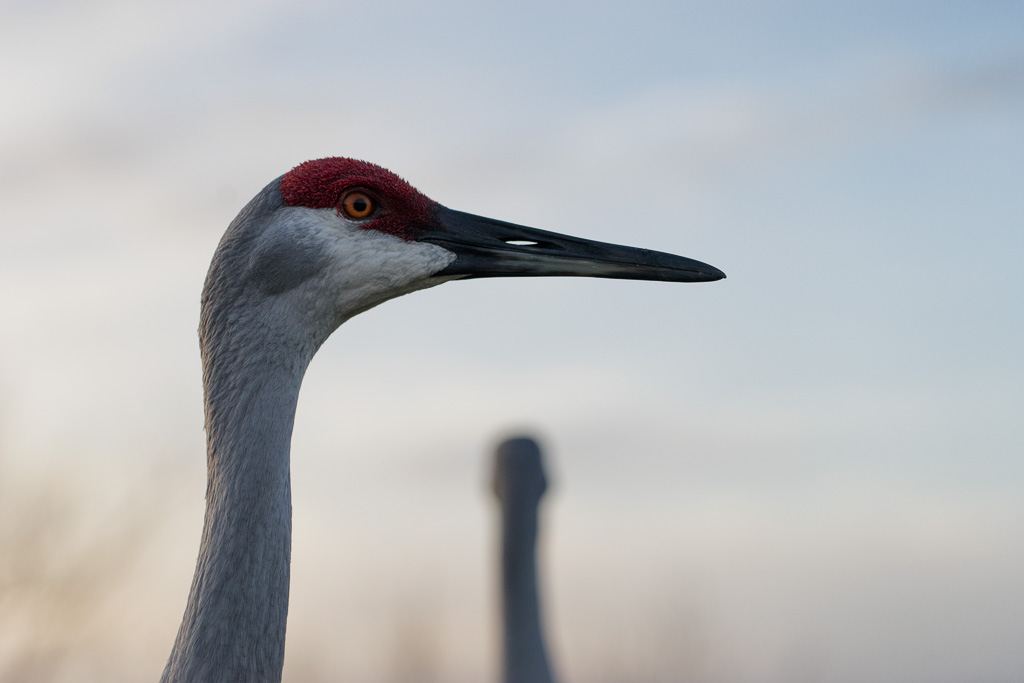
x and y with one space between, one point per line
811 471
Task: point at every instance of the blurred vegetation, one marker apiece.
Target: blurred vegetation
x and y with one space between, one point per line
58 566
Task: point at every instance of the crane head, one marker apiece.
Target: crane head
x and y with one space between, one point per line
343 235
373 198
518 476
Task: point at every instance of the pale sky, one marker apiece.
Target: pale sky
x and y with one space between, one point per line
809 471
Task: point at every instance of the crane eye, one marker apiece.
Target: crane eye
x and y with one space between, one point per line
358 204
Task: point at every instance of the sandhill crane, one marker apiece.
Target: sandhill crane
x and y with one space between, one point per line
328 240
519 483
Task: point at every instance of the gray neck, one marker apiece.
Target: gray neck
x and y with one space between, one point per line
234 623
520 483
254 357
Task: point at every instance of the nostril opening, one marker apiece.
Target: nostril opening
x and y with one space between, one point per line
521 243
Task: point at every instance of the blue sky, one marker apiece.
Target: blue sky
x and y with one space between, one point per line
820 457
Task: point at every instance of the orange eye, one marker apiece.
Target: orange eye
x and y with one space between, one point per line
358 204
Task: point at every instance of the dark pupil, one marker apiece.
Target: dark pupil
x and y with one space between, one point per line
360 205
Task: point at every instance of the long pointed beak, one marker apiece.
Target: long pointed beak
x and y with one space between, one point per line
485 247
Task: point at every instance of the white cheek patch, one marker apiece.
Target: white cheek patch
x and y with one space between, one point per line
374 263
359 268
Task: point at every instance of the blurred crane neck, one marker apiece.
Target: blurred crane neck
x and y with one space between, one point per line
525 655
